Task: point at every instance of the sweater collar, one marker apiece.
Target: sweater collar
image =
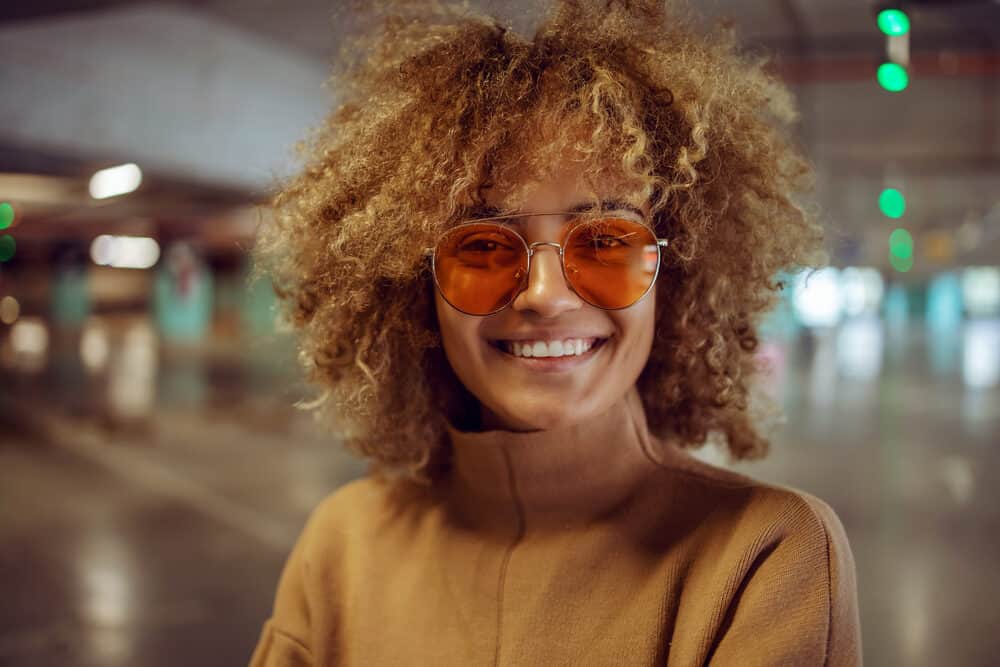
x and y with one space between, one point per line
566 475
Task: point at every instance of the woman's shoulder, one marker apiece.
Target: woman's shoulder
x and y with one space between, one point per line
734 488
760 546
784 548
728 499
363 505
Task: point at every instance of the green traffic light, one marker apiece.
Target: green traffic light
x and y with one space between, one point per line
6 215
893 22
893 77
7 247
901 244
892 203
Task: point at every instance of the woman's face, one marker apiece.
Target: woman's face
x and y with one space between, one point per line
513 392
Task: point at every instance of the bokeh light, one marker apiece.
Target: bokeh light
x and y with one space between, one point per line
981 291
892 203
981 353
6 215
95 347
893 77
862 289
901 264
29 340
115 181
901 244
817 297
10 309
893 22
125 252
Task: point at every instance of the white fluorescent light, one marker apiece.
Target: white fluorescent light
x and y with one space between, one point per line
817 297
125 252
115 181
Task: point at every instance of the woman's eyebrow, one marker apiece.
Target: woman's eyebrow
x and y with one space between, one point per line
608 205
484 211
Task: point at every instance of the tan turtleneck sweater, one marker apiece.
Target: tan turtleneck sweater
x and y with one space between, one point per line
590 545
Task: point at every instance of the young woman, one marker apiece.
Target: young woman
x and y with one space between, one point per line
528 275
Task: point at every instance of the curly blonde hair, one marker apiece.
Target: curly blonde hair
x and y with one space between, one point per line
438 104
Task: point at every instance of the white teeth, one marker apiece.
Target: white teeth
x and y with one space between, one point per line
555 348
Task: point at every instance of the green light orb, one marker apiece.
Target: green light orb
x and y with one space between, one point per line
893 22
892 203
893 77
7 247
901 265
901 244
6 215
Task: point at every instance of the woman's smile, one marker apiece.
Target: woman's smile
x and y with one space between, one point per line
547 364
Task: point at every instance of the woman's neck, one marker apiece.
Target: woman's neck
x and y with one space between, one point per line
565 474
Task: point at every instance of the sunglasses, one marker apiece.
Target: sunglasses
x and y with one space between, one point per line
610 262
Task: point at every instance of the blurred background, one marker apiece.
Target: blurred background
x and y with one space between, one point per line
154 471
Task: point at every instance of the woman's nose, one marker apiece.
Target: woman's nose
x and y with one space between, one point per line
546 292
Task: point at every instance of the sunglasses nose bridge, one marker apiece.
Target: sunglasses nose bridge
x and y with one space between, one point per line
559 275
557 246
531 246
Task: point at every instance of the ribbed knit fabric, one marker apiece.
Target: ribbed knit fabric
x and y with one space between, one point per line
590 545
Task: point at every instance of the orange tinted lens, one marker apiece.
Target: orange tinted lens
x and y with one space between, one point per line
479 267
611 262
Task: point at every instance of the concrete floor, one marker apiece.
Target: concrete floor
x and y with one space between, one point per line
158 541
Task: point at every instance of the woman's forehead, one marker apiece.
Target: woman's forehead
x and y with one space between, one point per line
570 182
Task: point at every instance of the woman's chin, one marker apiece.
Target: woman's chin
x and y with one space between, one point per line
532 418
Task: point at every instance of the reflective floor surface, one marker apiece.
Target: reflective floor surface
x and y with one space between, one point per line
154 536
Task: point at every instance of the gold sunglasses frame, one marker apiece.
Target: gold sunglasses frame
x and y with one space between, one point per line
530 249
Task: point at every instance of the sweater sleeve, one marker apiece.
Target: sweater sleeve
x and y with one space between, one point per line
277 649
283 640
798 602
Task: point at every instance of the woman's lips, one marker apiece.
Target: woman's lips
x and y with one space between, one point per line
551 364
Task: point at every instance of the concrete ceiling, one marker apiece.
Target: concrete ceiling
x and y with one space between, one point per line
216 93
